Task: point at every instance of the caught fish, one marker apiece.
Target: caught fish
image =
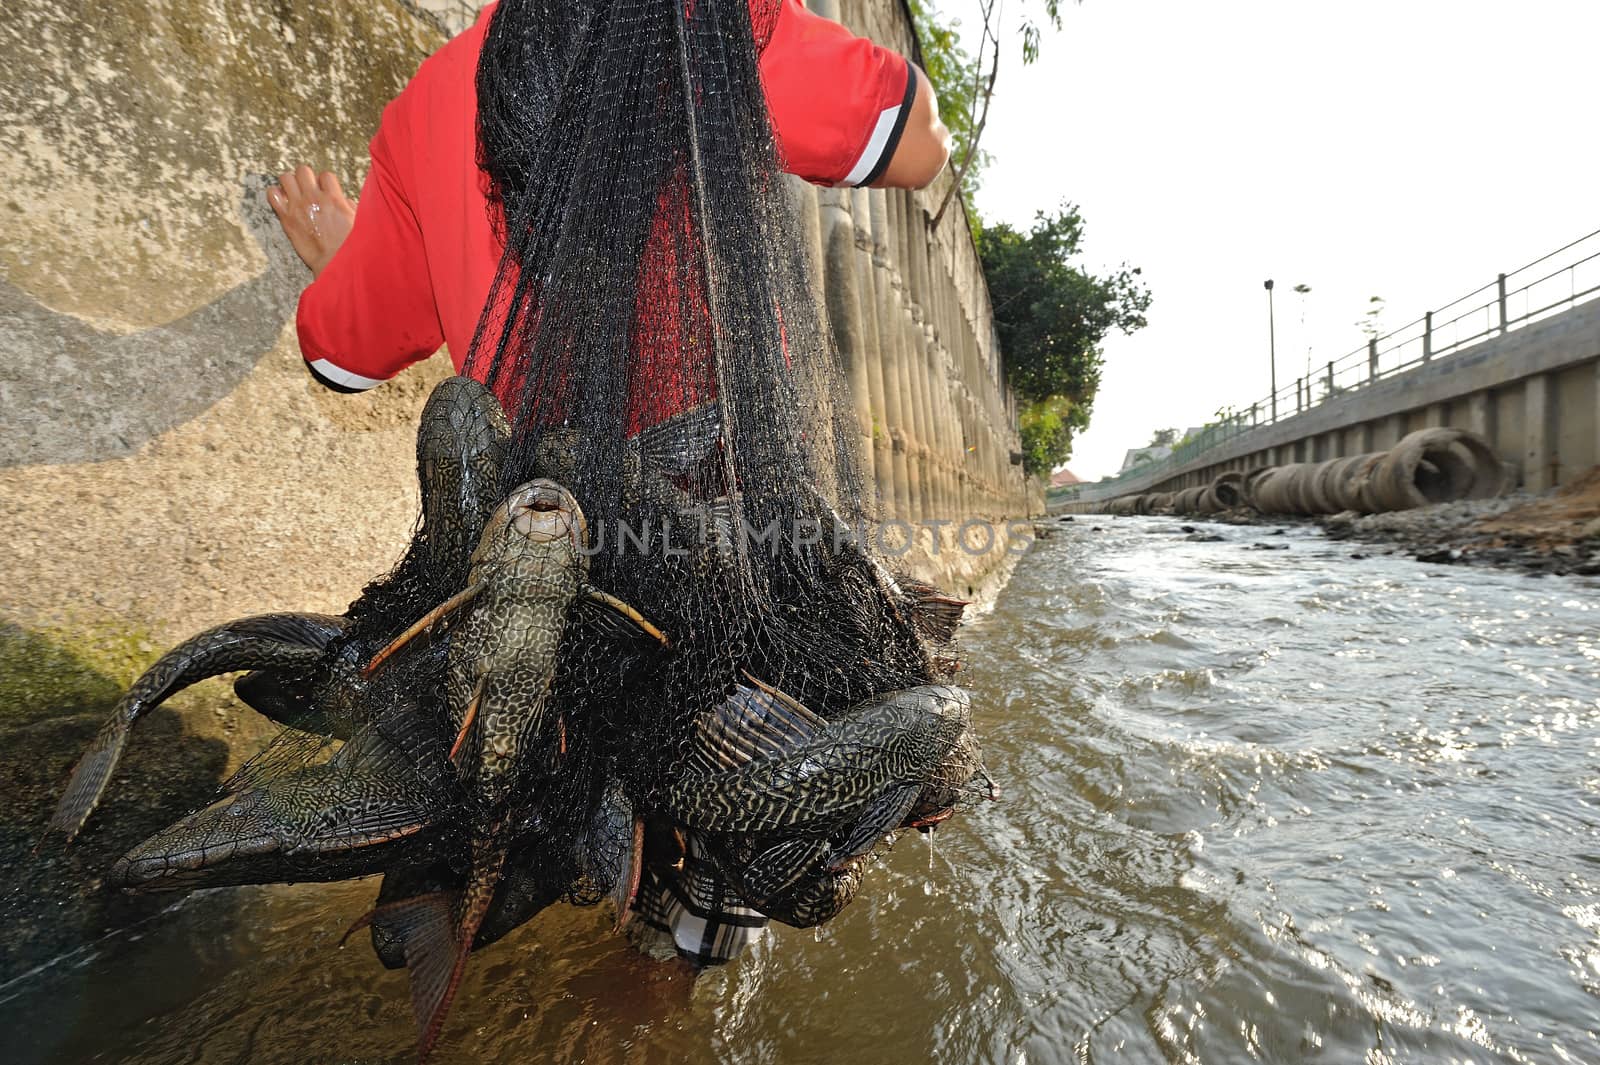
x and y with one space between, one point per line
267 641
527 571
348 817
763 763
461 445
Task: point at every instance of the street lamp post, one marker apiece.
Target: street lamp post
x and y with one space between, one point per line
1272 348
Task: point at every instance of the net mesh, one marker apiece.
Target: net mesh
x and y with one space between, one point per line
638 602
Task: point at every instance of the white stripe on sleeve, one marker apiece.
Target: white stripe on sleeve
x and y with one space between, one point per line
873 152
342 377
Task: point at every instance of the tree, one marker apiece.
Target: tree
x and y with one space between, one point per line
1163 438
1371 323
1051 316
1047 427
965 83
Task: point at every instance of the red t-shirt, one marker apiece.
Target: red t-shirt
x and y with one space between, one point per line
418 265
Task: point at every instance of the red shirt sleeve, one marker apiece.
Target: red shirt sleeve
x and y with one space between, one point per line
372 313
838 102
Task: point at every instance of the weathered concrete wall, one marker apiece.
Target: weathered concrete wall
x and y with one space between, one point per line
1533 393
910 313
165 462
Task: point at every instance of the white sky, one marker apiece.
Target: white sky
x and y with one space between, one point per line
1410 149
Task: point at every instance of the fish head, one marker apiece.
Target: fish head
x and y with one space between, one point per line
539 518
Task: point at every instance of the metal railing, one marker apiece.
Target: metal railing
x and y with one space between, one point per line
1545 287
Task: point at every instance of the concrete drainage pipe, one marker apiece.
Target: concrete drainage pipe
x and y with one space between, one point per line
1428 466
1277 490
1432 466
1227 491
1251 479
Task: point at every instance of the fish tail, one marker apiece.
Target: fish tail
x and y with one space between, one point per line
627 882
90 776
425 926
438 944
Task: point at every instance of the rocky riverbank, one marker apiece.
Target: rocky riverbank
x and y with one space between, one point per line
1557 532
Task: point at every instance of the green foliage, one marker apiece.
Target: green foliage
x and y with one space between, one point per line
1047 427
959 81
1052 315
956 81
1163 438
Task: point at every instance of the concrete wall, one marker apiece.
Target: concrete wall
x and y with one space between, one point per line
1533 393
910 313
165 462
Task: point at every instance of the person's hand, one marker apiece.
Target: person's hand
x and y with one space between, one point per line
314 212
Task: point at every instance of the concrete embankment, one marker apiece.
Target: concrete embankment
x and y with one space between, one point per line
1526 396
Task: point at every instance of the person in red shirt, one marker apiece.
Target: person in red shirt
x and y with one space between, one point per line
411 270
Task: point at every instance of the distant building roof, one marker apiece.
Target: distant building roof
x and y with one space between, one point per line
1063 477
1139 455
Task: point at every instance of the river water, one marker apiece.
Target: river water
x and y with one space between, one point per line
1273 805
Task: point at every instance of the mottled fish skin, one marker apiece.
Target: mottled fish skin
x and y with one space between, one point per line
263 642
461 446
503 657
528 568
817 898
361 811
887 741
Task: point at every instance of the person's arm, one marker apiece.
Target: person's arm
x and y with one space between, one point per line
846 111
924 146
369 312
315 214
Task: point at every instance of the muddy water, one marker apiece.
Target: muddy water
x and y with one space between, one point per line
1260 805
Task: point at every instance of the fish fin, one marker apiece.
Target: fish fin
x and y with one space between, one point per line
936 615
755 723
471 715
718 524
785 716
362 809
626 888
307 630
640 622
677 444
991 789
437 957
90 776
425 926
779 866
424 624
882 816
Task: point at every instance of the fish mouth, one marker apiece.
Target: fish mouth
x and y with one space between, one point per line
543 510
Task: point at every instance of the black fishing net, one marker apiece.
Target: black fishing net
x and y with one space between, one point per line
640 634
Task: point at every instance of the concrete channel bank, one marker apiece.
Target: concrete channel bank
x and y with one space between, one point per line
1532 393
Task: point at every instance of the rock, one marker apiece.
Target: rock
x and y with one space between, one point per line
1442 556
1204 538
1267 547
